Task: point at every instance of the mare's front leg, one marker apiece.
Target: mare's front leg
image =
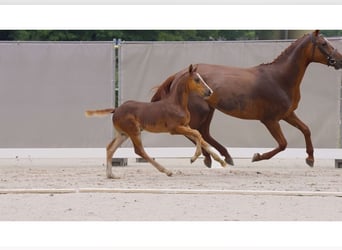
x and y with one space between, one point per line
275 130
296 122
204 129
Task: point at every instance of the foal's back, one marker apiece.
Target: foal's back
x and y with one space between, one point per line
157 117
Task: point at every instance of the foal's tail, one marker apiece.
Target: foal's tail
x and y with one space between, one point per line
101 112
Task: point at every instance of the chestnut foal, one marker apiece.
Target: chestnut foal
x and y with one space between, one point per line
170 115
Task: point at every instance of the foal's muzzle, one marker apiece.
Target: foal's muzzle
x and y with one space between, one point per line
208 92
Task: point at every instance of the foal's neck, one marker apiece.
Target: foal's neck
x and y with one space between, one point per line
180 94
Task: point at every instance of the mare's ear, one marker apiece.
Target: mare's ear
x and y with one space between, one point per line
316 32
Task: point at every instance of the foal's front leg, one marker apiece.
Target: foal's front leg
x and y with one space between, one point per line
192 134
200 143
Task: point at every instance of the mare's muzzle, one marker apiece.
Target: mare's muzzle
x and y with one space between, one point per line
331 58
337 64
332 61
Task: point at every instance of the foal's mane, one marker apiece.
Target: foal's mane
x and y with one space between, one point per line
287 51
165 88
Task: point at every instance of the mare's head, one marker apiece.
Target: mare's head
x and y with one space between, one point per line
197 84
323 52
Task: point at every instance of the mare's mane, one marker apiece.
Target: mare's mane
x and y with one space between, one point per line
287 51
164 89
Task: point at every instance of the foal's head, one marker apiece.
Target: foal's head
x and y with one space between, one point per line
324 52
197 84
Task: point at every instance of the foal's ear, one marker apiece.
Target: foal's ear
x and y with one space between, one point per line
192 68
316 32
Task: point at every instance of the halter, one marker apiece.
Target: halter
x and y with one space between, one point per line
330 59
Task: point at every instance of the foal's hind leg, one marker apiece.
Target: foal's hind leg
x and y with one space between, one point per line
111 148
296 122
139 149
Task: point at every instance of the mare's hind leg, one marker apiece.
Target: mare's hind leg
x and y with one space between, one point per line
204 129
139 149
111 148
296 122
275 130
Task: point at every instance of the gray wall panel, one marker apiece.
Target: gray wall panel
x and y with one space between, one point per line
45 89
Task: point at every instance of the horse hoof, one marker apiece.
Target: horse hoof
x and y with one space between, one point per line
113 177
193 159
310 162
207 162
229 161
256 157
169 173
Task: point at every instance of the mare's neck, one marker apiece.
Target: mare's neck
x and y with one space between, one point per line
291 65
296 55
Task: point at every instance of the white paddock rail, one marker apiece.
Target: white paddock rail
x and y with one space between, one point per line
163 152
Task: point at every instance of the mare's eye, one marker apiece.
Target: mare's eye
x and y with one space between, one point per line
197 80
324 44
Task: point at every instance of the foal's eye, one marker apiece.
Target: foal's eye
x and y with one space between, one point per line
324 44
197 80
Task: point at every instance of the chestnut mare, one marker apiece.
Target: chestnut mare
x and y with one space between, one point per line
167 115
267 92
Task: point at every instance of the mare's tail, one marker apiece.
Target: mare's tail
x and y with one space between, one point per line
101 112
